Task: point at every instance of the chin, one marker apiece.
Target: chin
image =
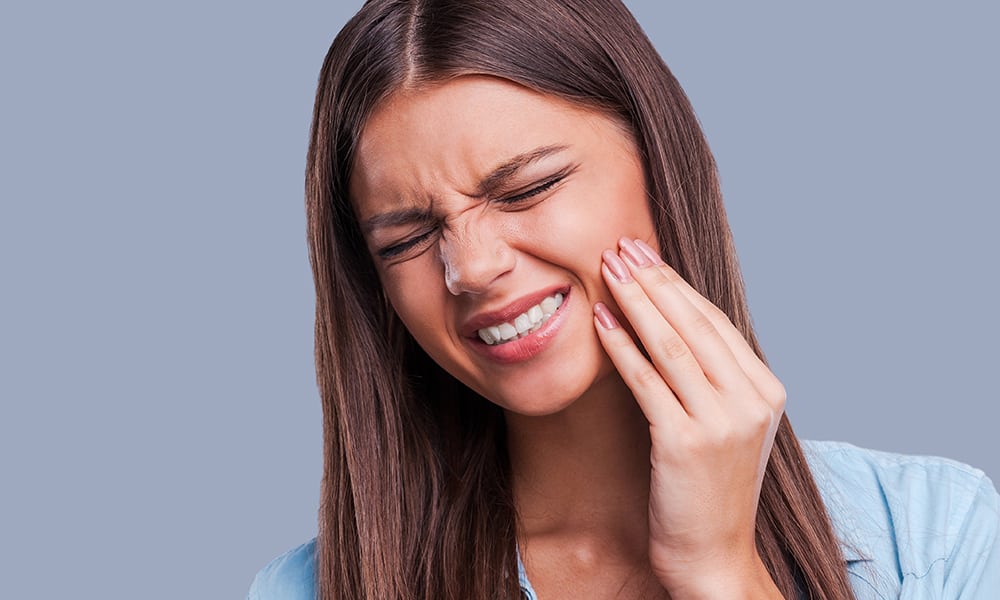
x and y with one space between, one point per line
550 395
537 406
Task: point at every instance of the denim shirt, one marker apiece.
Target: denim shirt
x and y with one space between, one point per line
910 527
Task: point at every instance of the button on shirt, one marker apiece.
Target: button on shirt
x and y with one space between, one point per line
910 527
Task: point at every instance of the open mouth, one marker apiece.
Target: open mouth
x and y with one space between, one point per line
523 324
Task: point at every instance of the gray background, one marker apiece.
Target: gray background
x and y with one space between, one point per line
160 434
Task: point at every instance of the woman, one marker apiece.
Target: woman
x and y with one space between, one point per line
537 366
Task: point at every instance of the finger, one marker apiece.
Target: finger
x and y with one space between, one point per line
651 392
668 352
766 383
709 348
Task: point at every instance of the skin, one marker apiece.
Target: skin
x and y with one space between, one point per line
634 477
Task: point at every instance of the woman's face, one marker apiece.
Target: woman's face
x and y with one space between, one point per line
485 205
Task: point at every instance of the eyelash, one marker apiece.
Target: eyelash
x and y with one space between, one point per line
532 192
395 250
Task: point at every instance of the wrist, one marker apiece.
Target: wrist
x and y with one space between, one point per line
750 582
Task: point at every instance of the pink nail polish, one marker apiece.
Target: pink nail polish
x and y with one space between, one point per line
616 266
604 316
633 253
653 256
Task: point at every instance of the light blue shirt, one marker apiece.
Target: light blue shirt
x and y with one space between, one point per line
910 527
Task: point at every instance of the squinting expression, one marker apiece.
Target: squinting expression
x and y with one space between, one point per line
486 206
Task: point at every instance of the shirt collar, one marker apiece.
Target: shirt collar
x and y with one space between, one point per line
850 519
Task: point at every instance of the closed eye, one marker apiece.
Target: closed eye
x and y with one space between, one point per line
516 198
395 250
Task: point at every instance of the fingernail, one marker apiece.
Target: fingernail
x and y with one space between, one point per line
653 256
633 254
616 266
604 316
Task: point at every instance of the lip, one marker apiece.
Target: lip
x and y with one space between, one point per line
520 349
508 313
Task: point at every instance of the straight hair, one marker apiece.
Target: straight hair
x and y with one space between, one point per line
416 498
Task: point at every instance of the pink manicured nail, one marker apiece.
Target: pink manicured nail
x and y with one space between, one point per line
653 256
633 253
616 266
604 316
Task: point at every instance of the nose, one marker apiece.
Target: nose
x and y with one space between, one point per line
474 256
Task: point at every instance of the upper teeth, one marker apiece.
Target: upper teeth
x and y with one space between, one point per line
523 324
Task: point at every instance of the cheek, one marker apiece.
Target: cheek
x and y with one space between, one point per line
627 206
423 313
578 225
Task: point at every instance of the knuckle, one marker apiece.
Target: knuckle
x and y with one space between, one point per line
761 419
656 284
776 395
630 296
646 377
688 368
714 312
702 324
726 435
689 441
620 342
673 347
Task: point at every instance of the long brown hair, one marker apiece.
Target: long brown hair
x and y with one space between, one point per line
416 499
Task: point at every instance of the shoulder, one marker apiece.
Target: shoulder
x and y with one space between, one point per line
915 481
909 521
291 576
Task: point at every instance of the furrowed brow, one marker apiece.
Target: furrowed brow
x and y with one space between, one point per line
406 216
494 180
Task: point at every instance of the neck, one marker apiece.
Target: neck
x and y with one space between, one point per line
585 470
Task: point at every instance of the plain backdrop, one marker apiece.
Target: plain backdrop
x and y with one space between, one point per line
160 426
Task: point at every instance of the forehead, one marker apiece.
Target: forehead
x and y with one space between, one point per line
439 140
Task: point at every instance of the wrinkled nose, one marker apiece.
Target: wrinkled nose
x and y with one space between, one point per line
474 257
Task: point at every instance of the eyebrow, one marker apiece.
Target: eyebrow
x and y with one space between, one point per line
494 180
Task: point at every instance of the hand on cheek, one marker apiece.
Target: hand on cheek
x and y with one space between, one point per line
713 409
